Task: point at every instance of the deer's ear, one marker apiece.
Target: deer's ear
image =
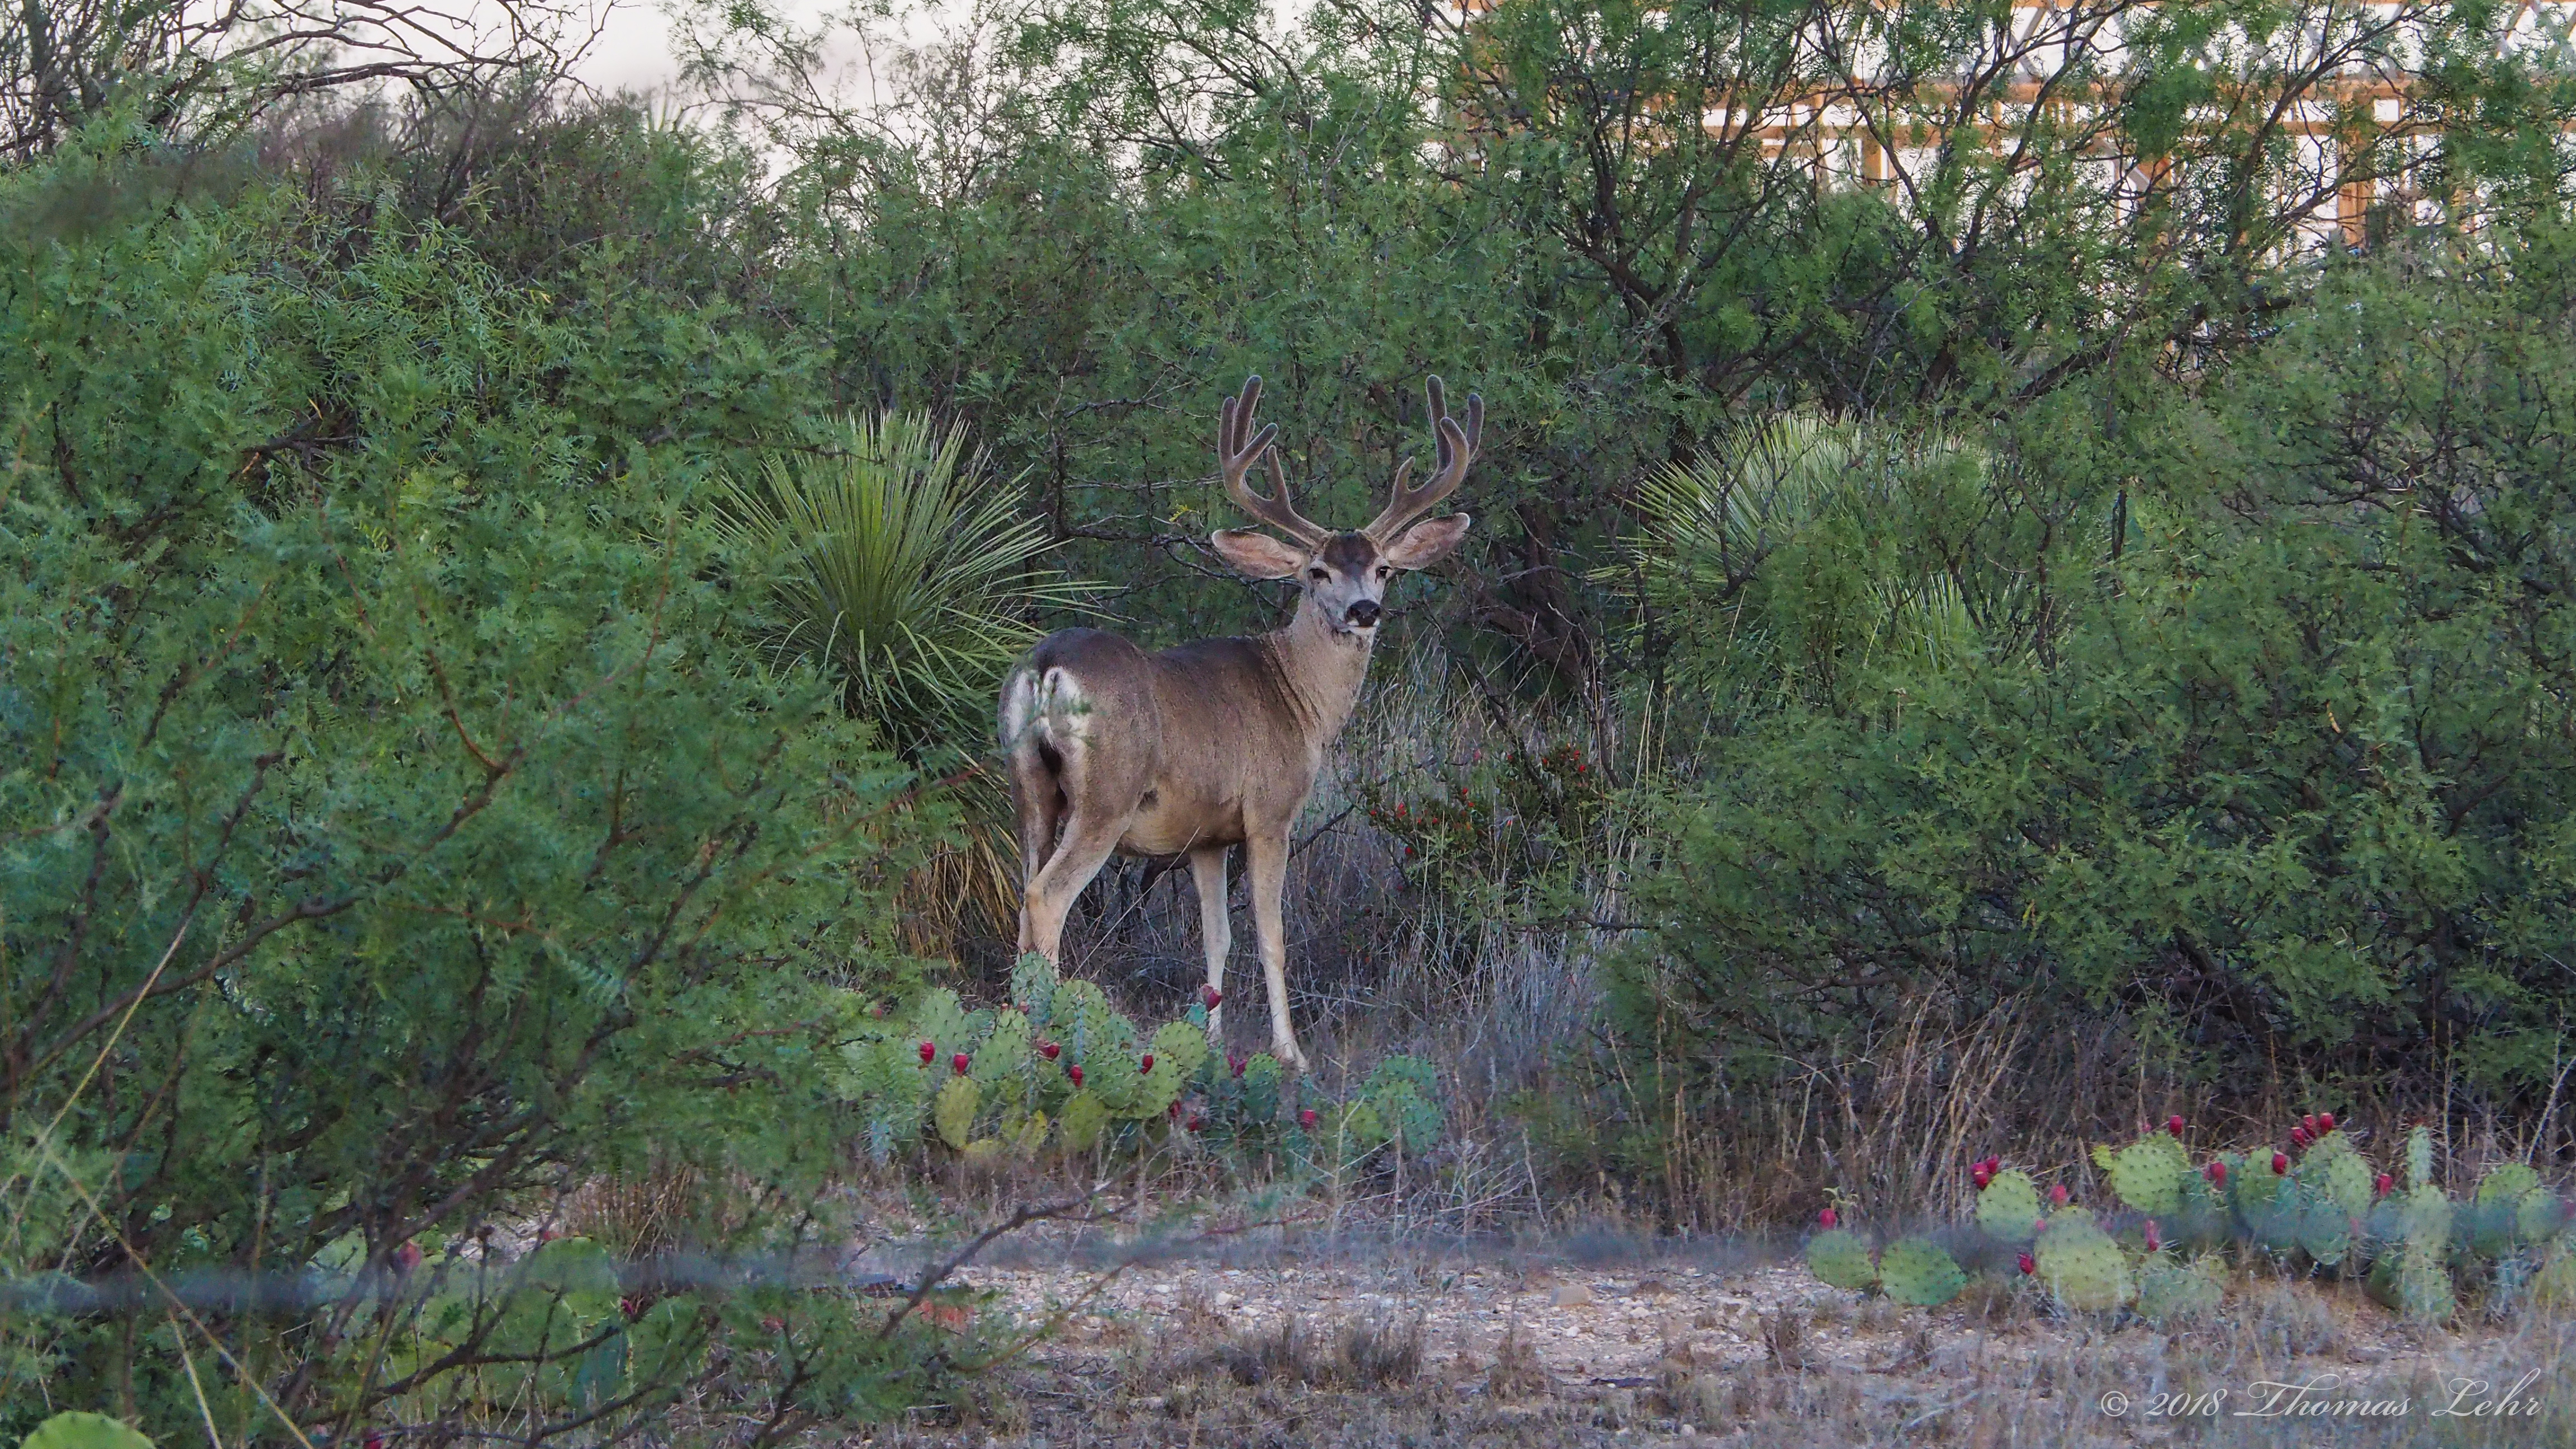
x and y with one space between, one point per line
1256 555
1428 542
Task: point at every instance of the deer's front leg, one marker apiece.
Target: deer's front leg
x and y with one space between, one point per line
1216 936
1266 859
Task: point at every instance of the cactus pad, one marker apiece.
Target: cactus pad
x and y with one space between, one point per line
1841 1259
1033 986
1919 1274
1084 1116
955 1111
2171 1294
2419 1157
2148 1174
2080 1265
2009 1207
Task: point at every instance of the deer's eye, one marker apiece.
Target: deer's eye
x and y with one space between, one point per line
1318 575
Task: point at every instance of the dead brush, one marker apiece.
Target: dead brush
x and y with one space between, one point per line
634 1215
1365 1353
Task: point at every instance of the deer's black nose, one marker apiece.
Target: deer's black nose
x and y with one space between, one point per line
1364 614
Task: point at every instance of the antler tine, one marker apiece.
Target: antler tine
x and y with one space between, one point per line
1235 458
1457 448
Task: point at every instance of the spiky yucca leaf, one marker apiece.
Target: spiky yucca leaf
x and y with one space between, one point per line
895 562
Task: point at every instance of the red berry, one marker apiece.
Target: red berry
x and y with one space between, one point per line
1213 997
2057 1193
2155 1242
2310 1123
2173 1124
1196 1122
2028 1266
2385 1185
1048 1049
1981 1177
2216 1172
1146 1065
375 1441
1306 1119
1075 1072
2325 1123
2280 1164
2298 1137
957 1064
1828 1218
928 1050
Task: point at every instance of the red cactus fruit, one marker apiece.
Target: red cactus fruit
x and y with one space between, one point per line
1981 1177
631 1306
1074 1073
2216 1172
2325 1123
406 1257
2155 1240
929 1049
2385 1185
1173 1111
2057 1193
1196 1122
375 1441
1827 1218
2298 1137
2029 1265
2280 1164
2173 1124
957 1064
1212 997
2309 1122
1146 1065
1306 1119
1048 1049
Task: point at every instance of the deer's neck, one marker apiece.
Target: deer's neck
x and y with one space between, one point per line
1324 669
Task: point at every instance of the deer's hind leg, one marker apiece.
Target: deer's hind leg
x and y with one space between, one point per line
1085 798
1037 794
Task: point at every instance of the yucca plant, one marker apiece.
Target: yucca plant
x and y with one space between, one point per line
895 562
899 565
1817 546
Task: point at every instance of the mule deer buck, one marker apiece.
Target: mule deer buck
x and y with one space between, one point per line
1216 743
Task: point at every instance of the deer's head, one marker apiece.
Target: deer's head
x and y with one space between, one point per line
1344 574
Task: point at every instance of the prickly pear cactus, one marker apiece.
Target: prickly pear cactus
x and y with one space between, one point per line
1001 1061
2080 1264
2554 1286
2511 1210
2325 1229
2008 1208
1080 1127
2419 1157
939 1019
1403 1090
1262 1078
2415 1278
1033 983
954 1112
2340 1176
2148 1174
1841 1259
1918 1274
2171 1293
